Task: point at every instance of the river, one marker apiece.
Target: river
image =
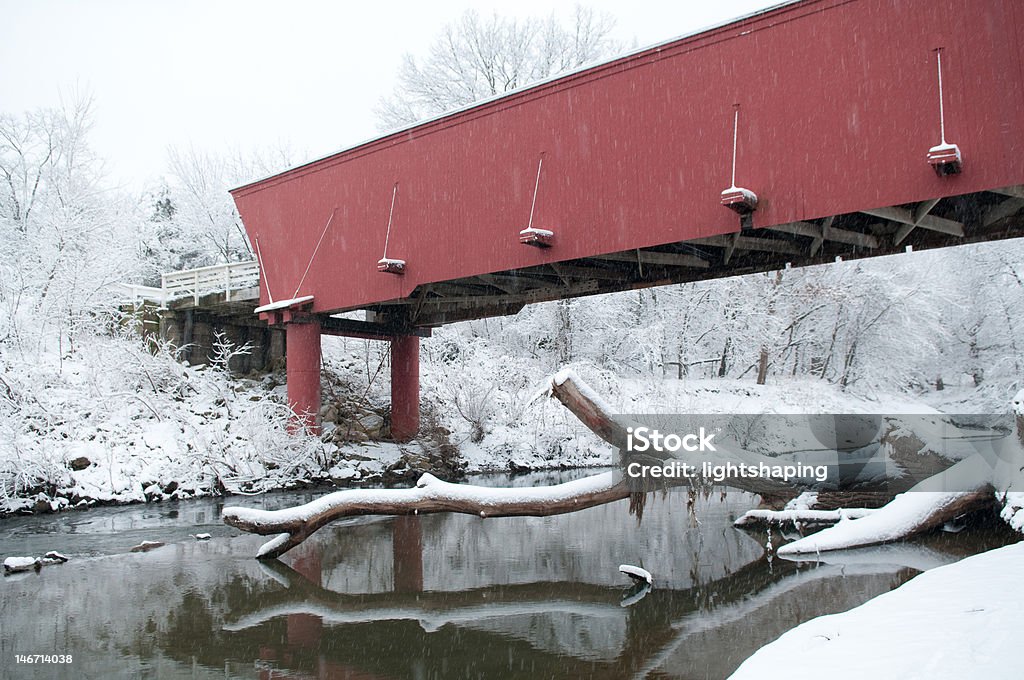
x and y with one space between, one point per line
439 596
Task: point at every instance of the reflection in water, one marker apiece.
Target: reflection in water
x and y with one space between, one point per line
441 596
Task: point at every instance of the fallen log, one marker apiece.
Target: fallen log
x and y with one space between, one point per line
815 517
963 488
430 495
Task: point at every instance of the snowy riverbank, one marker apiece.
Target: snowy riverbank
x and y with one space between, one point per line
116 423
957 621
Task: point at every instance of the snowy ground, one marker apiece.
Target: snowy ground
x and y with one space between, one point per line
957 621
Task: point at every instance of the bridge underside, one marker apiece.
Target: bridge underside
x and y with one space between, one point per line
937 223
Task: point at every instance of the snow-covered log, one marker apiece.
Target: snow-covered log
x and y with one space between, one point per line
965 487
146 546
910 513
802 517
430 495
636 573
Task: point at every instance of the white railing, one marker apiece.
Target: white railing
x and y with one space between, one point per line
226 279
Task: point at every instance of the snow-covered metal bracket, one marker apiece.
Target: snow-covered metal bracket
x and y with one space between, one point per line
390 265
543 238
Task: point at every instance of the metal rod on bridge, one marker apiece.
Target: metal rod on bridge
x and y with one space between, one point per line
317 248
387 234
735 135
942 113
259 258
536 188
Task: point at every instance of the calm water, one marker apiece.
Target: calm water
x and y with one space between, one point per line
441 596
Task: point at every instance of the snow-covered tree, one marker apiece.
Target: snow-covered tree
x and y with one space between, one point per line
63 237
477 57
192 220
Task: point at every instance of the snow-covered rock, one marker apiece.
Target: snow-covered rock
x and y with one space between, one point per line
13 565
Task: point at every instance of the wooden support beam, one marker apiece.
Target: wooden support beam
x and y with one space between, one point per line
589 273
1002 210
488 280
513 283
920 212
799 229
465 312
566 280
656 257
330 325
902 232
818 241
1016 191
923 208
749 243
826 232
731 248
930 222
544 294
450 288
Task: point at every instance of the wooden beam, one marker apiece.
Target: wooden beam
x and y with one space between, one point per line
488 280
589 273
1002 210
749 243
799 229
923 208
513 283
331 325
450 288
1016 191
921 211
930 222
464 312
535 295
731 248
828 233
818 241
656 257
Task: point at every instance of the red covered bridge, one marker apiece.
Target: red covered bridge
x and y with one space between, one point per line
811 131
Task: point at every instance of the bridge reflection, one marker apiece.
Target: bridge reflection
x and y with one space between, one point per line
541 627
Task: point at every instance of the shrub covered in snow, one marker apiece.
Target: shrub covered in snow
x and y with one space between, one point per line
117 421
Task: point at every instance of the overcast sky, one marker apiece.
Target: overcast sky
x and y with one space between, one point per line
239 74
